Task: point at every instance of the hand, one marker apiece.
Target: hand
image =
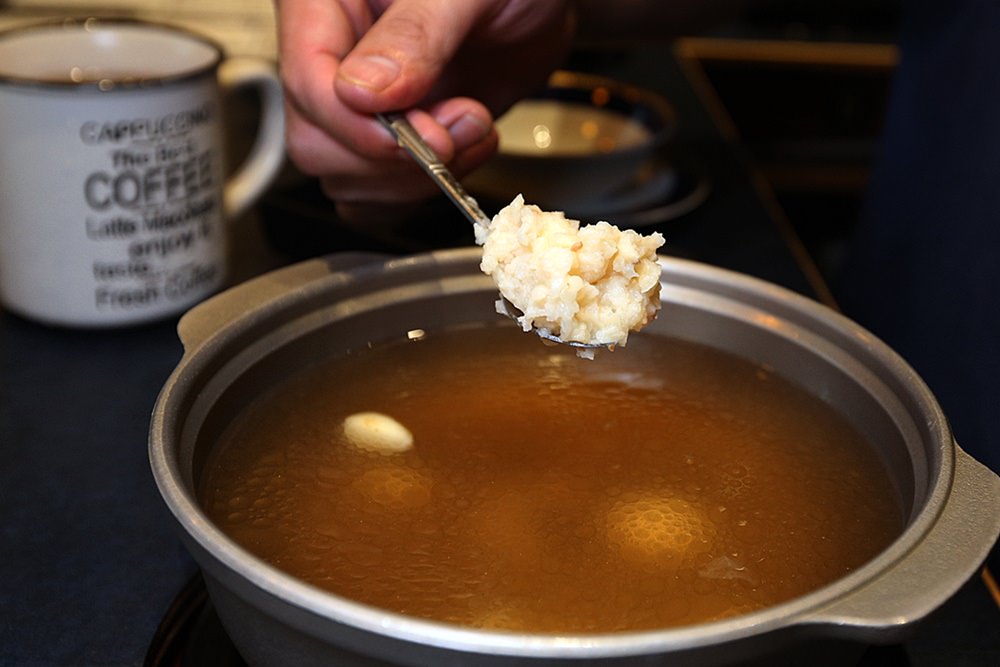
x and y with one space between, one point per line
456 64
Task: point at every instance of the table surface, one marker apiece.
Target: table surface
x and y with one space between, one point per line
90 562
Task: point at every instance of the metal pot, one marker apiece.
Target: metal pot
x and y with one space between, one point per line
243 341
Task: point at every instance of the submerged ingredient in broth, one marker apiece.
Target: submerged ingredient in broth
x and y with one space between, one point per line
541 493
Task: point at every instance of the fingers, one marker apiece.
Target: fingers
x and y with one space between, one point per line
341 61
351 178
314 35
326 136
396 63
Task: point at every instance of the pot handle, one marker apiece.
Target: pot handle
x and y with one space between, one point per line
212 315
941 563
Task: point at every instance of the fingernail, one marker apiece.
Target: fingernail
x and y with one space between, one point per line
373 72
467 130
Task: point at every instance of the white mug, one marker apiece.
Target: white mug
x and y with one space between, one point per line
113 189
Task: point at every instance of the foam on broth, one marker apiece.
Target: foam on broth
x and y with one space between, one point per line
663 485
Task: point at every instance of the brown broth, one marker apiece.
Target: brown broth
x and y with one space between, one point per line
660 485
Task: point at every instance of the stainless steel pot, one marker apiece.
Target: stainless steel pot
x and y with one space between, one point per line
243 341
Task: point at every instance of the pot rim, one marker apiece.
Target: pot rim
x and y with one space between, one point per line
809 610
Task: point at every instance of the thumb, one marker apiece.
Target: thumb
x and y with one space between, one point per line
397 62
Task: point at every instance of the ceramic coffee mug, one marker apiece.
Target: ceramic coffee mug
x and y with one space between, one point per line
113 189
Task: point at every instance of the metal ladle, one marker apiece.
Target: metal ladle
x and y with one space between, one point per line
408 137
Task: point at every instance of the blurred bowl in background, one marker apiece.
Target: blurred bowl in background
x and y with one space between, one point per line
577 141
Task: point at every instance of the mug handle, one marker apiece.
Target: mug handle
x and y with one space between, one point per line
267 155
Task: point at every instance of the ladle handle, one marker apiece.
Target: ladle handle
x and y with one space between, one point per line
408 137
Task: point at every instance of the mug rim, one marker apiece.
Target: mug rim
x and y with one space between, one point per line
109 85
